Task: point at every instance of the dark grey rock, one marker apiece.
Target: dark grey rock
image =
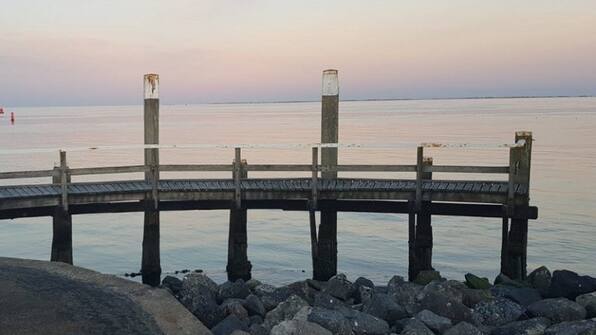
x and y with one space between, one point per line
540 279
521 295
229 290
450 288
415 327
332 320
569 285
272 296
254 305
557 310
365 294
588 301
497 312
446 307
502 279
235 307
475 282
304 290
255 320
228 325
298 327
384 307
434 322
472 296
173 283
362 282
363 323
340 287
426 276
252 284
257 329
325 300
463 328
405 293
198 295
284 311
583 327
535 326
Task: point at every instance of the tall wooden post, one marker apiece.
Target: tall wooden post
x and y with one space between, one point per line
423 244
326 262
515 264
151 268
239 267
62 219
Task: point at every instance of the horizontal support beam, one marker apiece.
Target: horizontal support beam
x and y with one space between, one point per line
107 170
360 206
26 174
467 169
196 167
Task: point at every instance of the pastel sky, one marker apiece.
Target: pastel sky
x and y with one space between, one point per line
86 52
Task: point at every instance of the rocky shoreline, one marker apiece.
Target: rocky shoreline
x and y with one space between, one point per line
561 303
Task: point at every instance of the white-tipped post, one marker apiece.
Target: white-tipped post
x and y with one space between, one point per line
330 83
151 86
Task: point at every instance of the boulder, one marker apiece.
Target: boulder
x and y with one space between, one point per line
472 296
405 293
284 311
256 320
426 276
229 290
172 283
257 329
540 279
332 320
588 301
434 322
583 327
304 290
325 300
475 282
368 285
557 310
415 327
254 305
535 326
521 295
496 312
198 295
233 306
272 296
363 323
567 284
299 327
340 287
450 288
252 283
364 295
384 307
239 332
463 328
445 306
228 325
502 279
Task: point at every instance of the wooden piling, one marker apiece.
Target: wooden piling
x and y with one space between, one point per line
239 267
515 264
62 218
326 263
424 232
150 267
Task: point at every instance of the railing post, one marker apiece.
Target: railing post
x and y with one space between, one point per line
238 267
423 244
62 219
151 267
313 205
514 257
326 262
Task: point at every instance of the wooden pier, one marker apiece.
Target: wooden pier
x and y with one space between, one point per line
420 197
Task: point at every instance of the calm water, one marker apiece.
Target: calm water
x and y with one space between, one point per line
375 245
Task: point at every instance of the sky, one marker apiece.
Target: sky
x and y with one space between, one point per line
95 52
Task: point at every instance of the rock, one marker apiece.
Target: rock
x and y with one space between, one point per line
256 329
426 276
284 311
405 293
384 307
450 288
233 306
228 325
298 327
540 279
444 306
521 295
535 326
256 320
472 296
588 301
569 285
173 283
252 284
254 305
365 294
362 282
475 282
583 327
325 300
415 327
557 310
496 312
304 290
463 328
434 322
271 296
332 320
363 323
340 287
237 289
502 279
198 295
239 332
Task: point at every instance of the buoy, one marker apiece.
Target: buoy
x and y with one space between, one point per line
12 117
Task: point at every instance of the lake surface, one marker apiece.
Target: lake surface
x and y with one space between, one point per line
375 245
